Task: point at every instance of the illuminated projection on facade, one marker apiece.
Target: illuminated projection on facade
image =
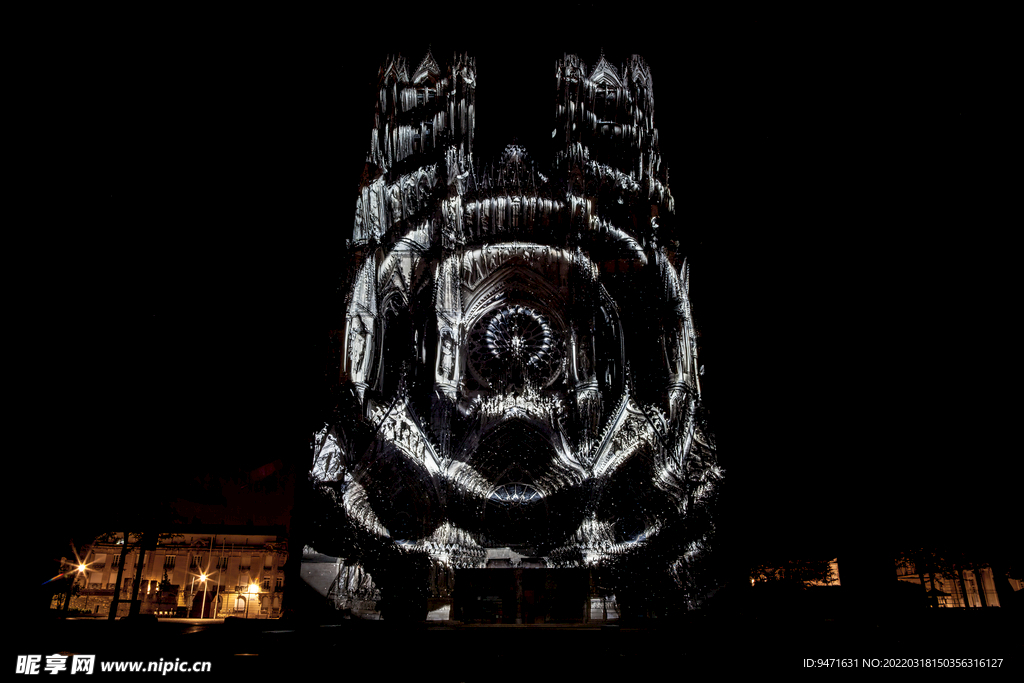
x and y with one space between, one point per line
519 356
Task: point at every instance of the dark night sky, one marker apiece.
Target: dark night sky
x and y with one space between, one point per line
818 172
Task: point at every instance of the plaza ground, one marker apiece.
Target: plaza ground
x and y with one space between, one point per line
455 652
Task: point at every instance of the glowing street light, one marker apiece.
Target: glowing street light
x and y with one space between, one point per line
85 585
254 589
202 608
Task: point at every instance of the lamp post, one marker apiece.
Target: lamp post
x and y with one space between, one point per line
202 607
253 591
85 584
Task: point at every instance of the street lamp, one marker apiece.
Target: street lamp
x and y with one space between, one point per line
202 608
85 584
253 591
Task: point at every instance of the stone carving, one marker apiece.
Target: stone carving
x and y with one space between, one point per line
452 231
357 342
446 369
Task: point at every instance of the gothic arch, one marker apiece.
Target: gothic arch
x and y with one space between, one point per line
395 334
530 283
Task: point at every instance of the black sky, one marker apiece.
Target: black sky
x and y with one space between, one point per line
817 172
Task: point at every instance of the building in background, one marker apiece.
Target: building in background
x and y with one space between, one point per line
807 572
964 588
520 430
199 573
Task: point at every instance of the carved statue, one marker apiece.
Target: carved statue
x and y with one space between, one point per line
583 361
396 203
478 272
357 345
450 224
374 210
409 191
447 357
359 230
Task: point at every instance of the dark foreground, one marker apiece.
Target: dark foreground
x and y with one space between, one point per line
441 651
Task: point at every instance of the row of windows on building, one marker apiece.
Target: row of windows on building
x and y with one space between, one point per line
152 585
265 603
195 562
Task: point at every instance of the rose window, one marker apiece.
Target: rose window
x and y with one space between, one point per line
513 344
515 494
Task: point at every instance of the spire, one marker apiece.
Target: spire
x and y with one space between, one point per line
638 69
604 71
426 68
394 67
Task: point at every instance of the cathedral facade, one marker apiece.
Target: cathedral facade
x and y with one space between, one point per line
519 385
